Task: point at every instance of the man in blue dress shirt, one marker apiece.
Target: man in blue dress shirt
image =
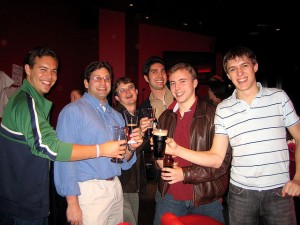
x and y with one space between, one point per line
91 187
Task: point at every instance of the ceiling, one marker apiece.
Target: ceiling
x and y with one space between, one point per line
230 21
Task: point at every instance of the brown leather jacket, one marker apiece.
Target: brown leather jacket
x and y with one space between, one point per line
209 184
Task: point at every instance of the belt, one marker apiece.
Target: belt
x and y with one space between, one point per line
110 179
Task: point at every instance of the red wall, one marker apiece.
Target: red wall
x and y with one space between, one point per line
155 40
112 40
63 27
56 24
152 40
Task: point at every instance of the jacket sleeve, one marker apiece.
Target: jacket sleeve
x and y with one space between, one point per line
196 174
32 121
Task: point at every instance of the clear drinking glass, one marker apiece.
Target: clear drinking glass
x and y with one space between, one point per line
150 113
131 120
120 133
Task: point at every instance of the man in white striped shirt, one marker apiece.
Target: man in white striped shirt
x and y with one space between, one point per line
254 120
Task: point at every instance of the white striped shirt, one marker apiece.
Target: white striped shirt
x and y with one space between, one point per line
257 134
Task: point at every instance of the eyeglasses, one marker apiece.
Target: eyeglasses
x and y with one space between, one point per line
98 78
123 90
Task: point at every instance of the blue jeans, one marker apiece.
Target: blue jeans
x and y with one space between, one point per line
180 208
8 219
247 206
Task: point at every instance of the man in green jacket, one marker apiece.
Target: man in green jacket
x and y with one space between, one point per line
28 142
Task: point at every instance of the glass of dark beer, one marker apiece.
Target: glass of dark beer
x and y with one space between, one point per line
159 144
150 113
131 120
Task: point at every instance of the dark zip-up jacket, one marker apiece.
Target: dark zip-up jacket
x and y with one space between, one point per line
27 144
134 180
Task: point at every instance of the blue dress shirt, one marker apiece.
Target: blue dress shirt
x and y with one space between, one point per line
85 122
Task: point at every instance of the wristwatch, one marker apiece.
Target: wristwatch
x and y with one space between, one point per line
131 149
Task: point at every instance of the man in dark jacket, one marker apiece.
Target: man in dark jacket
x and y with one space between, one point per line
160 98
188 188
134 180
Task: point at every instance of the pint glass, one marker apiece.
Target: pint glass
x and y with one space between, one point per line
159 144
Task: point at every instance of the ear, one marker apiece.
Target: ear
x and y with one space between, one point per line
228 76
117 98
255 67
27 70
146 78
86 84
136 91
195 83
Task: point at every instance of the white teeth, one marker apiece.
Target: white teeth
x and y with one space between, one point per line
46 82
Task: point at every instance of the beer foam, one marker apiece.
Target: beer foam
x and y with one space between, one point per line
132 125
160 132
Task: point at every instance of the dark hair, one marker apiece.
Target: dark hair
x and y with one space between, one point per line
95 66
183 66
39 52
124 80
149 62
220 88
238 51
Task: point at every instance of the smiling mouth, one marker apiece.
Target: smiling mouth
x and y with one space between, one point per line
128 97
46 82
179 94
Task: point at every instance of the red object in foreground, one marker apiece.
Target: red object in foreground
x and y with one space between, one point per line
194 219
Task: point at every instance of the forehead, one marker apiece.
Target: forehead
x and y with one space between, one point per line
45 60
100 72
237 60
123 85
157 66
179 74
74 93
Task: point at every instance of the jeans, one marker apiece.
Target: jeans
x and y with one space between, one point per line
248 206
180 208
8 219
131 208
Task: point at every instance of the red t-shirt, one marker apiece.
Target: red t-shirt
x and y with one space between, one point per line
179 190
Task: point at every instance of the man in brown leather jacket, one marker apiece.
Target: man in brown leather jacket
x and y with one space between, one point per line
188 188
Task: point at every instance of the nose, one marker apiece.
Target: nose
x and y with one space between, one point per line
127 90
160 74
102 81
176 86
239 70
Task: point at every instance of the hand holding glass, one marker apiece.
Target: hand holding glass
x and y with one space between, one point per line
131 120
150 113
159 143
120 133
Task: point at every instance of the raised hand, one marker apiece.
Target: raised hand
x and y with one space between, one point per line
113 149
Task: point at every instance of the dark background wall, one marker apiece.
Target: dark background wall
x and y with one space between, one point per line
81 35
48 23
79 40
